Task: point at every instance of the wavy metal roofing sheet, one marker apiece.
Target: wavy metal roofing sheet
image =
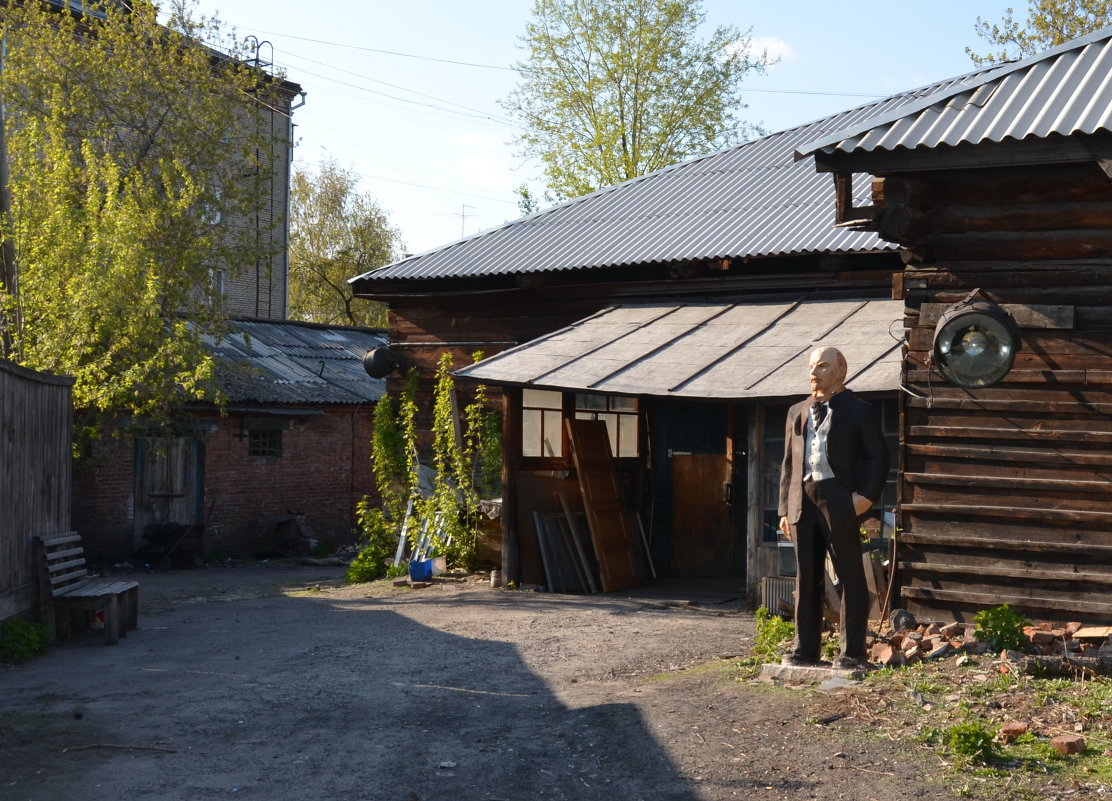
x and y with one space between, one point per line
752 200
299 363
1066 90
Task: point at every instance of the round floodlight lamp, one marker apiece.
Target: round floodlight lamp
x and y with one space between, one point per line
975 343
380 362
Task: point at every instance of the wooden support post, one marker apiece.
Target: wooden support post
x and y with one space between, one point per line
511 459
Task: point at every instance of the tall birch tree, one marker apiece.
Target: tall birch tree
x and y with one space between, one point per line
613 89
1048 23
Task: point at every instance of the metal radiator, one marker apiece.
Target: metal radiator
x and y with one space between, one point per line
778 594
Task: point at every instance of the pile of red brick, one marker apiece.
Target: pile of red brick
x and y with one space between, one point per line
1064 744
931 641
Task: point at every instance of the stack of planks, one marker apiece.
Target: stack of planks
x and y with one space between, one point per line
566 552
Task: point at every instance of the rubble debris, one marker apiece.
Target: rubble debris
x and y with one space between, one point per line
1067 744
1058 649
1012 731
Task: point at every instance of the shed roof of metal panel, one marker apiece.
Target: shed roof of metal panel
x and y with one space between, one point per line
297 363
1065 90
752 200
706 350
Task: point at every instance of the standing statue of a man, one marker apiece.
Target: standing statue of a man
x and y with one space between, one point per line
834 469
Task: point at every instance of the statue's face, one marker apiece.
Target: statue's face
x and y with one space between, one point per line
828 372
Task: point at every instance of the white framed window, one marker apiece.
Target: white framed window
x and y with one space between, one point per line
620 415
542 418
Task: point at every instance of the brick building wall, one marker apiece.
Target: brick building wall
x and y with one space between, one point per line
258 290
104 497
323 470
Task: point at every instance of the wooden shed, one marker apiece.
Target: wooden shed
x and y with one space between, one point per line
679 308
1002 181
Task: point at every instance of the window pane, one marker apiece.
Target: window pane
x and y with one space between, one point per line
541 399
627 435
553 439
530 432
593 402
772 452
611 421
620 404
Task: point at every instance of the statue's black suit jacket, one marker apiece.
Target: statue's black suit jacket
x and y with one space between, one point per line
855 448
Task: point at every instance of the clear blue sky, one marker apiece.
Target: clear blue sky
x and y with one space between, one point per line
406 94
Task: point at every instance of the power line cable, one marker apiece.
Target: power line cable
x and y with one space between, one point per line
517 70
475 112
391 52
427 187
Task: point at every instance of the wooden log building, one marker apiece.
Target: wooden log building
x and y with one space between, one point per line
679 308
1002 182
998 180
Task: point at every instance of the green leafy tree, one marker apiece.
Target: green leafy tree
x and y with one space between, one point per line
613 89
1048 23
336 233
126 141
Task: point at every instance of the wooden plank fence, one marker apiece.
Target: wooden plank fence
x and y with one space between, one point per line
36 423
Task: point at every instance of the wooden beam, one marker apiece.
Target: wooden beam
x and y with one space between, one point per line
964 540
954 510
1025 315
1004 454
937 432
1033 574
1010 482
996 598
930 400
1021 376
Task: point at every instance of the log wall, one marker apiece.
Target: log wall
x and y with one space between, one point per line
35 469
1006 492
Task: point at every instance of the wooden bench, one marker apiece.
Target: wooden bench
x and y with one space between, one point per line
65 586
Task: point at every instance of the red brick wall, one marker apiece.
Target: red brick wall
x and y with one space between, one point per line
103 493
323 471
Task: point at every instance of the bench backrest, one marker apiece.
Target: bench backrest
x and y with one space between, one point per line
63 562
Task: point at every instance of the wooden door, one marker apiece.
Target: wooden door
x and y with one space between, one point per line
167 482
703 531
611 533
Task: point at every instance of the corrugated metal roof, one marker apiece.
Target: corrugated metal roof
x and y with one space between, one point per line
1065 90
712 350
749 201
299 363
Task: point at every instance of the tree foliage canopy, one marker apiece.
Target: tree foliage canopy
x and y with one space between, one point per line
1048 23
336 233
613 89
127 141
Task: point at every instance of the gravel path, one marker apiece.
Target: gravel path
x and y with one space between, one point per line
279 683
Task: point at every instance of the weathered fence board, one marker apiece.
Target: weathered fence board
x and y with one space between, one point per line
36 421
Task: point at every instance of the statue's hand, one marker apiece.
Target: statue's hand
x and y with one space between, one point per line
786 528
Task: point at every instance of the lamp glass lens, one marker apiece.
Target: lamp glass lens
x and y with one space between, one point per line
974 342
976 350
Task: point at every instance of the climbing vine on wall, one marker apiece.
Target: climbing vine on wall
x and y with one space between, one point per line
466 462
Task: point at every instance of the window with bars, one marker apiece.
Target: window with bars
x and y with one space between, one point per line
264 444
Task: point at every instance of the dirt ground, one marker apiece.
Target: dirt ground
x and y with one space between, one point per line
277 682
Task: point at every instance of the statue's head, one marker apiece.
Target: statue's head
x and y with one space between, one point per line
827 368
